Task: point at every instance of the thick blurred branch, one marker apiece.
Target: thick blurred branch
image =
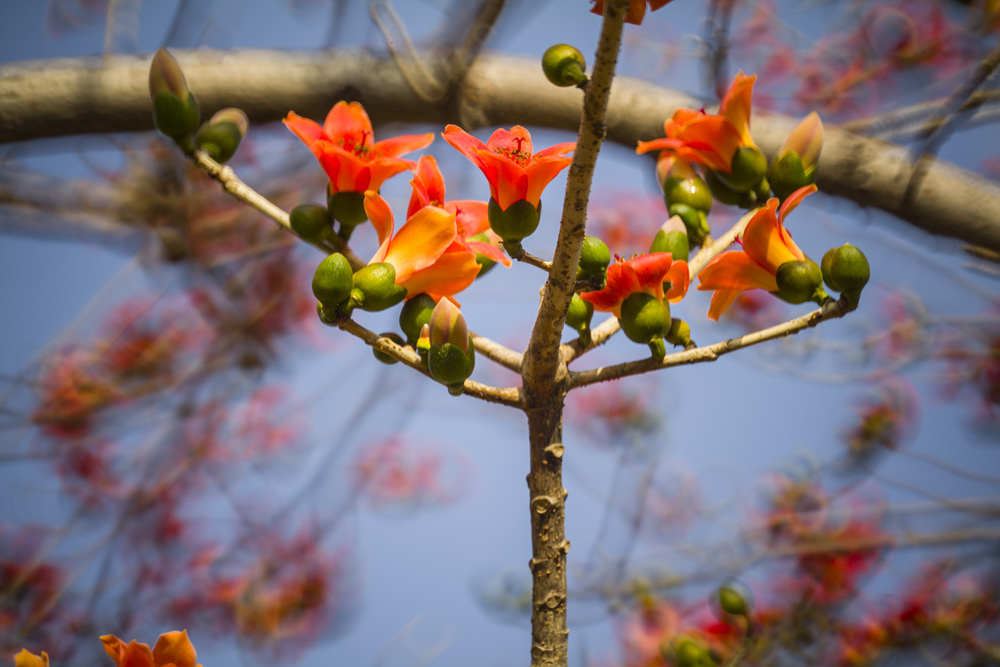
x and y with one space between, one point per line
97 95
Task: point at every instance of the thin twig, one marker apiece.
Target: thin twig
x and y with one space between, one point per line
830 310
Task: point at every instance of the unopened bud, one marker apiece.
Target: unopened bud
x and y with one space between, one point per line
375 287
332 281
672 238
564 65
347 208
594 259
800 281
451 357
222 134
311 222
414 314
175 109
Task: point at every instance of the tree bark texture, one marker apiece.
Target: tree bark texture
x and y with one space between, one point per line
65 97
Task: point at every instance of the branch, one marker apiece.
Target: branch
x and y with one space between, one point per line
830 310
64 97
510 396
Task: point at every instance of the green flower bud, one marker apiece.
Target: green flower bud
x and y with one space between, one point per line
519 221
482 260
724 193
748 167
332 281
800 281
175 109
694 222
222 134
312 222
645 319
564 65
672 238
452 357
679 333
450 366
690 653
347 208
692 191
788 175
846 269
594 260
424 342
579 316
414 314
382 356
375 287
732 599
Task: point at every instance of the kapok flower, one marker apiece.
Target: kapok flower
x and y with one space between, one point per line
636 9
172 648
471 218
346 148
426 252
512 169
766 246
710 139
643 273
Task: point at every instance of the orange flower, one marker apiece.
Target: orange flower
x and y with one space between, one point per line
636 9
644 273
513 171
172 648
710 139
28 659
766 246
426 252
471 217
345 147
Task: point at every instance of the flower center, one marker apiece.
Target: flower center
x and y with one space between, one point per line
360 148
515 154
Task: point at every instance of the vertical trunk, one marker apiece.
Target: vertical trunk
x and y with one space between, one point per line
549 636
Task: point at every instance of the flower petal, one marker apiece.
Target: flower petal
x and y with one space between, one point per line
420 241
309 131
736 105
174 648
766 242
451 273
380 214
471 217
428 185
721 301
735 270
467 145
679 276
402 144
540 173
508 181
515 140
555 150
348 119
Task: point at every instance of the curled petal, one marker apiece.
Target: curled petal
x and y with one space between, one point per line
380 214
471 217
467 145
765 242
309 131
736 105
428 185
556 150
679 276
795 199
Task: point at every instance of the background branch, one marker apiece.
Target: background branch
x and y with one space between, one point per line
94 95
